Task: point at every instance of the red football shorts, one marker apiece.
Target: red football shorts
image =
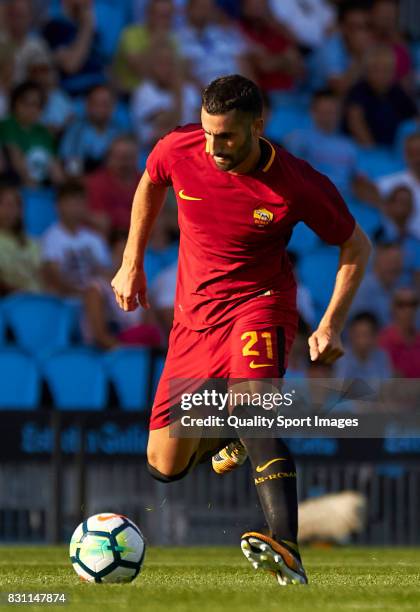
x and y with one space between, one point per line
253 345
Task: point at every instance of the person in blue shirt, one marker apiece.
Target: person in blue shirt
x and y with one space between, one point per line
77 47
338 63
325 148
397 208
87 139
363 357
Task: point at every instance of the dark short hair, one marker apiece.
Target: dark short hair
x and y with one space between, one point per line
350 6
69 189
365 317
233 92
320 94
22 89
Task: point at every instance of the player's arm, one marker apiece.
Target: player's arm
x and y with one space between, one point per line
129 284
325 342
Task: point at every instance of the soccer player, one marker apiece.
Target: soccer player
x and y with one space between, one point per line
239 197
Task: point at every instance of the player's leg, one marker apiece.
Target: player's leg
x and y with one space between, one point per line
260 351
171 458
171 455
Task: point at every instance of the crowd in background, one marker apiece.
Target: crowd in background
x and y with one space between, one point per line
87 88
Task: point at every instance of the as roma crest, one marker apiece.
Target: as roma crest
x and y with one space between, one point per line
262 217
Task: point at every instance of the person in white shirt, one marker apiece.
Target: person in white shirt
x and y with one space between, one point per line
16 33
163 99
212 49
71 253
309 20
410 177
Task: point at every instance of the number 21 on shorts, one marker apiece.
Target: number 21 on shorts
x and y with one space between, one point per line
264 341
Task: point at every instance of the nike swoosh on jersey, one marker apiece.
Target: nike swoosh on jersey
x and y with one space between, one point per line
187 197
259 365
261 468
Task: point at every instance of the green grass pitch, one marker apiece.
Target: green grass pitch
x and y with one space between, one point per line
216 579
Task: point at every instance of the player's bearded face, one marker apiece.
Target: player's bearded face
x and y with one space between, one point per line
230 138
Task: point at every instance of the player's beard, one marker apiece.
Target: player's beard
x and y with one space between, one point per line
230 162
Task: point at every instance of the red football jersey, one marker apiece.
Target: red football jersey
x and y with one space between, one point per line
234 228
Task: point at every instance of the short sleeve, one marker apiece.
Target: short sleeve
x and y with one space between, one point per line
323 209
158 163
100 250
51 249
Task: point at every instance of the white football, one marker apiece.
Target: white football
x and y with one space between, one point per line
107 547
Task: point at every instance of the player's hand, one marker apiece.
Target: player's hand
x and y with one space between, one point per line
129 287
325 345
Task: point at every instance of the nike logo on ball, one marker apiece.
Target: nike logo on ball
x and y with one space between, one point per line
261 468
183 196
110 516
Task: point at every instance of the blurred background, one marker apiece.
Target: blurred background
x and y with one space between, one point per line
86 89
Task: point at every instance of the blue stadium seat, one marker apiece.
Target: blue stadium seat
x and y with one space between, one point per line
40 324
2 325
303 240
20 381
39 210
157 371
378 162
317 272
369 218
286 119
76 378
111 18
129 371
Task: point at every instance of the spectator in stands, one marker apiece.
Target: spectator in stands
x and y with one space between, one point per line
7 59
20 258
410 177
131 59
397 209
338 62
375 292
16 34
401 339
376 105
298 356
162 248
304 299
384 17
325 148
75 43
86 140
164 99
28 144
72 254
405 129
162 296
111 188
211 49
105 325
363 358
309 21
58 106
275 58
